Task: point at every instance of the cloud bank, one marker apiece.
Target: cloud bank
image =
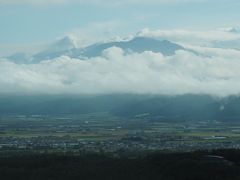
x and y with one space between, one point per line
138 73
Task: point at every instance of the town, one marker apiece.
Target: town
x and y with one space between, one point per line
101 132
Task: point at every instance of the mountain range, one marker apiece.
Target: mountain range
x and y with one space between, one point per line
68 47
182 108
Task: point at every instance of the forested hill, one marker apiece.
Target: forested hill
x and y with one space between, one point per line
187 107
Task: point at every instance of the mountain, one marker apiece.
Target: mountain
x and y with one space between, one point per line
181 108
19 58
184 107
231 44
234 29
138 44
61 47
68 47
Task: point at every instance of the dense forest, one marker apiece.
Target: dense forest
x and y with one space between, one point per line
214 165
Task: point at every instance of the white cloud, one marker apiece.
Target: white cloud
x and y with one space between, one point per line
194 37
117 72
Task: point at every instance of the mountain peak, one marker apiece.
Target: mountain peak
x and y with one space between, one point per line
68 42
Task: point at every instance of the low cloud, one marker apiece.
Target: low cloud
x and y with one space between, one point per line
217 73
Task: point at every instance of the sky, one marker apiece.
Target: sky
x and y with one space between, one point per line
29 22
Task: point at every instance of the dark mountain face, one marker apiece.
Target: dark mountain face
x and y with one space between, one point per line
19 58
186 107
139 45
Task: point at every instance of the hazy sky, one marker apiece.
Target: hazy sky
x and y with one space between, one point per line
36 21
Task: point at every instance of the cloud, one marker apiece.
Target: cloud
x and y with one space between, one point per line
193 37
98 2
97 32
139 73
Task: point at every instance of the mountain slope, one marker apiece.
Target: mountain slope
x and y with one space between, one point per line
139 45
57 49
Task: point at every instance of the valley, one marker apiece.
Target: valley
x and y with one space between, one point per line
103 132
